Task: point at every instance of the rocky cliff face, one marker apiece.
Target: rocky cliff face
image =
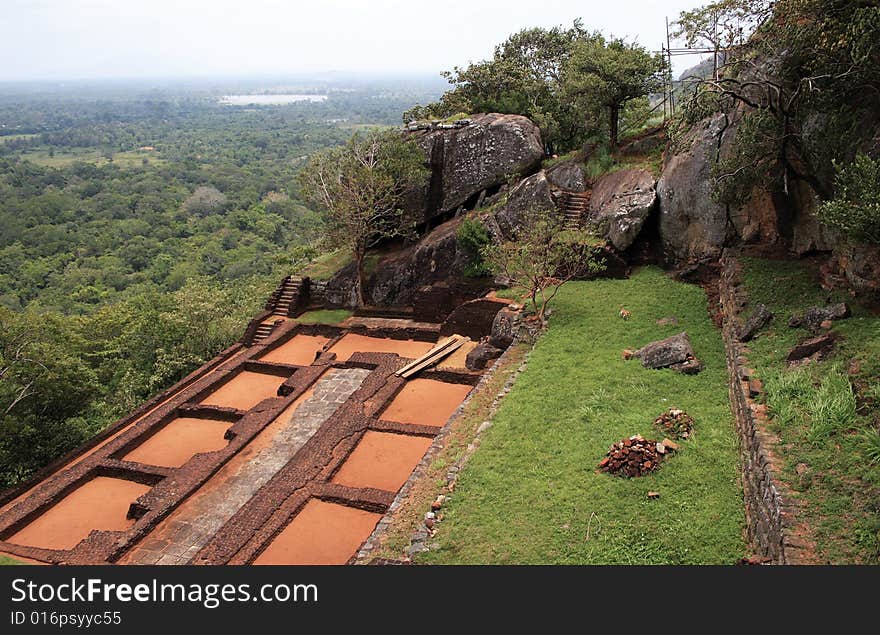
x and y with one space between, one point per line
467 159
695 227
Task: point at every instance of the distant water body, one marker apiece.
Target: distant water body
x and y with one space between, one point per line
269 100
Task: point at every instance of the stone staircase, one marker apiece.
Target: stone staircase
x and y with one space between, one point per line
289 290
574 207
281 304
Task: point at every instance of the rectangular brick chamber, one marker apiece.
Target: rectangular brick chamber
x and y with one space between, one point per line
382 460
299 350
245 390
179 440
426 402
322 533
355 343
101 503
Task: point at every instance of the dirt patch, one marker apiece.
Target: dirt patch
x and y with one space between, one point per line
300 350
321 533
179 440
382 460
101 503
426 402
353 343
245 390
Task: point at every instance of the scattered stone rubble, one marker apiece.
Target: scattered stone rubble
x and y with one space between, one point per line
636 456
759 318
812 349
676 423
812 319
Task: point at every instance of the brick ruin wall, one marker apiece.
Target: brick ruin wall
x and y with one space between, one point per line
771 512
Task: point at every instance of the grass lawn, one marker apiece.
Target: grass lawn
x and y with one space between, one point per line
531 494
6 560
325 316
827 420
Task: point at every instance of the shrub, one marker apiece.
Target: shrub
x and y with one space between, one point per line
855 208
472 238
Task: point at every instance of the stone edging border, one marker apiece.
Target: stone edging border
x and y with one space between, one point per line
774 530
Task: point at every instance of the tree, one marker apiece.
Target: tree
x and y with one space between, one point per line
205 200
543 257
855 208
523 78
361 188
721 25
799 90
608 74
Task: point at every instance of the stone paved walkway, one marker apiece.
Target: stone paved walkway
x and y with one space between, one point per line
191 527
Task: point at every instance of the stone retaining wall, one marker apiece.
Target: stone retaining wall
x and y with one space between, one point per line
771 513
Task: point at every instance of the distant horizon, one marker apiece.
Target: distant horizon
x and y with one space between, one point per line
98 40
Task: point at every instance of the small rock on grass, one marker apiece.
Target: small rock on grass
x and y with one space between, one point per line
653 495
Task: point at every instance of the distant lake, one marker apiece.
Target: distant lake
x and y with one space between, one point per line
269 100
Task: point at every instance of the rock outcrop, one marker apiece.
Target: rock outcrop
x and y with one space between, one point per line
692 225
568 175
530 194
620 205
466 160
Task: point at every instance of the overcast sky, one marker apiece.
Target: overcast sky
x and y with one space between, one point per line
66 39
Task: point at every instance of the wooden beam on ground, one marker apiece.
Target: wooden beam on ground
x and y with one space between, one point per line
434 356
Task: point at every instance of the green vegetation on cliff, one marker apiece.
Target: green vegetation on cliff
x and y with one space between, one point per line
531 493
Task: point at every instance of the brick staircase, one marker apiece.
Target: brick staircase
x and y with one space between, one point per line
289 291
280 305
574 206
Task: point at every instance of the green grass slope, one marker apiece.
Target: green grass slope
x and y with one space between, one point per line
530 494
827 415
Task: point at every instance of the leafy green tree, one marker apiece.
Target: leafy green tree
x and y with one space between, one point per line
543 257
855 208
524 77
608 74
361 187
800 89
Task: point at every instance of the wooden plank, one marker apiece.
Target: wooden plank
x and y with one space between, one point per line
437 348
434 356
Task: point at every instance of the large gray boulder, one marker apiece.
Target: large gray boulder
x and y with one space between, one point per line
568 175
620 205
529 195
465 160
674 352
692 225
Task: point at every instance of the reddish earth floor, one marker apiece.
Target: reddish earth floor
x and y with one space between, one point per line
353 343
229 470
321 533
299 350
426 402
179 440
245 390
101 503
86 455
382 460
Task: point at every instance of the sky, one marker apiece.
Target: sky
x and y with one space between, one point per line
97 39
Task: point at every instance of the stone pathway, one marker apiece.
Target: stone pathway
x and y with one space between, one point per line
196 522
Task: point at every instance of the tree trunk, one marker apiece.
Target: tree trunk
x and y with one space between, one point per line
359 285
615 124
